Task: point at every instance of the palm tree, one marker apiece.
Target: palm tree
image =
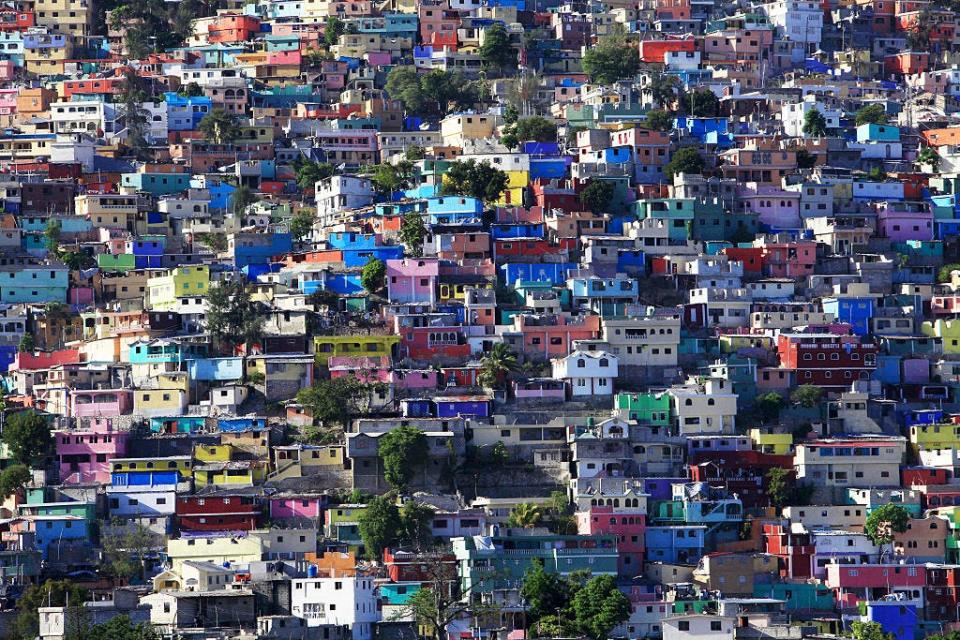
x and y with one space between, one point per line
525 515
220 127
496 365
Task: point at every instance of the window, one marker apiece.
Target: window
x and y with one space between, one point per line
683 625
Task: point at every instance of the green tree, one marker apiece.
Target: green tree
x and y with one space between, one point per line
27 436
814 124
943 275
658 120
216 241
499 455
779 486
27 344
52 593
309 173
664 89
51 235
433 92
416 522
121 628
545 593
496 365
869 631
125 551
805 159
390 178
241 198
220 127
510 139
475 179
403 450
807 395
929 156
373 276
415 152
598 195
702 104
14 478
232 316
885 521
191 90
613 58
332 31
412 233
877 174
871 114
525 515
403 84
301 225
536 129
768 406
599 606
380 525
684 160
496 50
333 401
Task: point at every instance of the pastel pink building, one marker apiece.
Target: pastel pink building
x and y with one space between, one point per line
789 259
628 524
95 403
872 581
8 97
415 379
901 225
413 280
520 214
775 207
365 370
296 507
85 456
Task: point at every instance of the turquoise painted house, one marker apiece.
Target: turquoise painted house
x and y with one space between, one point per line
34 283
158 184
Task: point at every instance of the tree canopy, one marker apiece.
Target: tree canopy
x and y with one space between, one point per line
496 50
27 435
613 58
684 160
871 114
373 276
232 316
476 179
598 195
814 124
403 450
220 127
432 93
885 521
412 233
334 401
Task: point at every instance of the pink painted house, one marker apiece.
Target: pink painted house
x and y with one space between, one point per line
540 389
85 456
95 403
775 207
789 259
872 581
288 507
413 280
414 379
520 214
364 369
902 221
628 524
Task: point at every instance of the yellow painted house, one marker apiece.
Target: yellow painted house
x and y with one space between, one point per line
451 292
217 550
776 443
327 347
169 397
517 181
182 464
204 453
179 282
935 436
237 473
947 330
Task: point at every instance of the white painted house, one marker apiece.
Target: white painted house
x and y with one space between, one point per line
589 373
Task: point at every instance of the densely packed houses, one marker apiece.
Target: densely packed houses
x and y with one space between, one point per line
355 320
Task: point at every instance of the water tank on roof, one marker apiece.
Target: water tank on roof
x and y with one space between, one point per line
312 571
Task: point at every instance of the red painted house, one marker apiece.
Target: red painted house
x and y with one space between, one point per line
13 20
521 249
826 360
217 513
427 343
410 566
233 28
942 593
795 550
652 51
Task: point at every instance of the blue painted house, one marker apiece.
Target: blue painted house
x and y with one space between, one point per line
855 310
185 113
